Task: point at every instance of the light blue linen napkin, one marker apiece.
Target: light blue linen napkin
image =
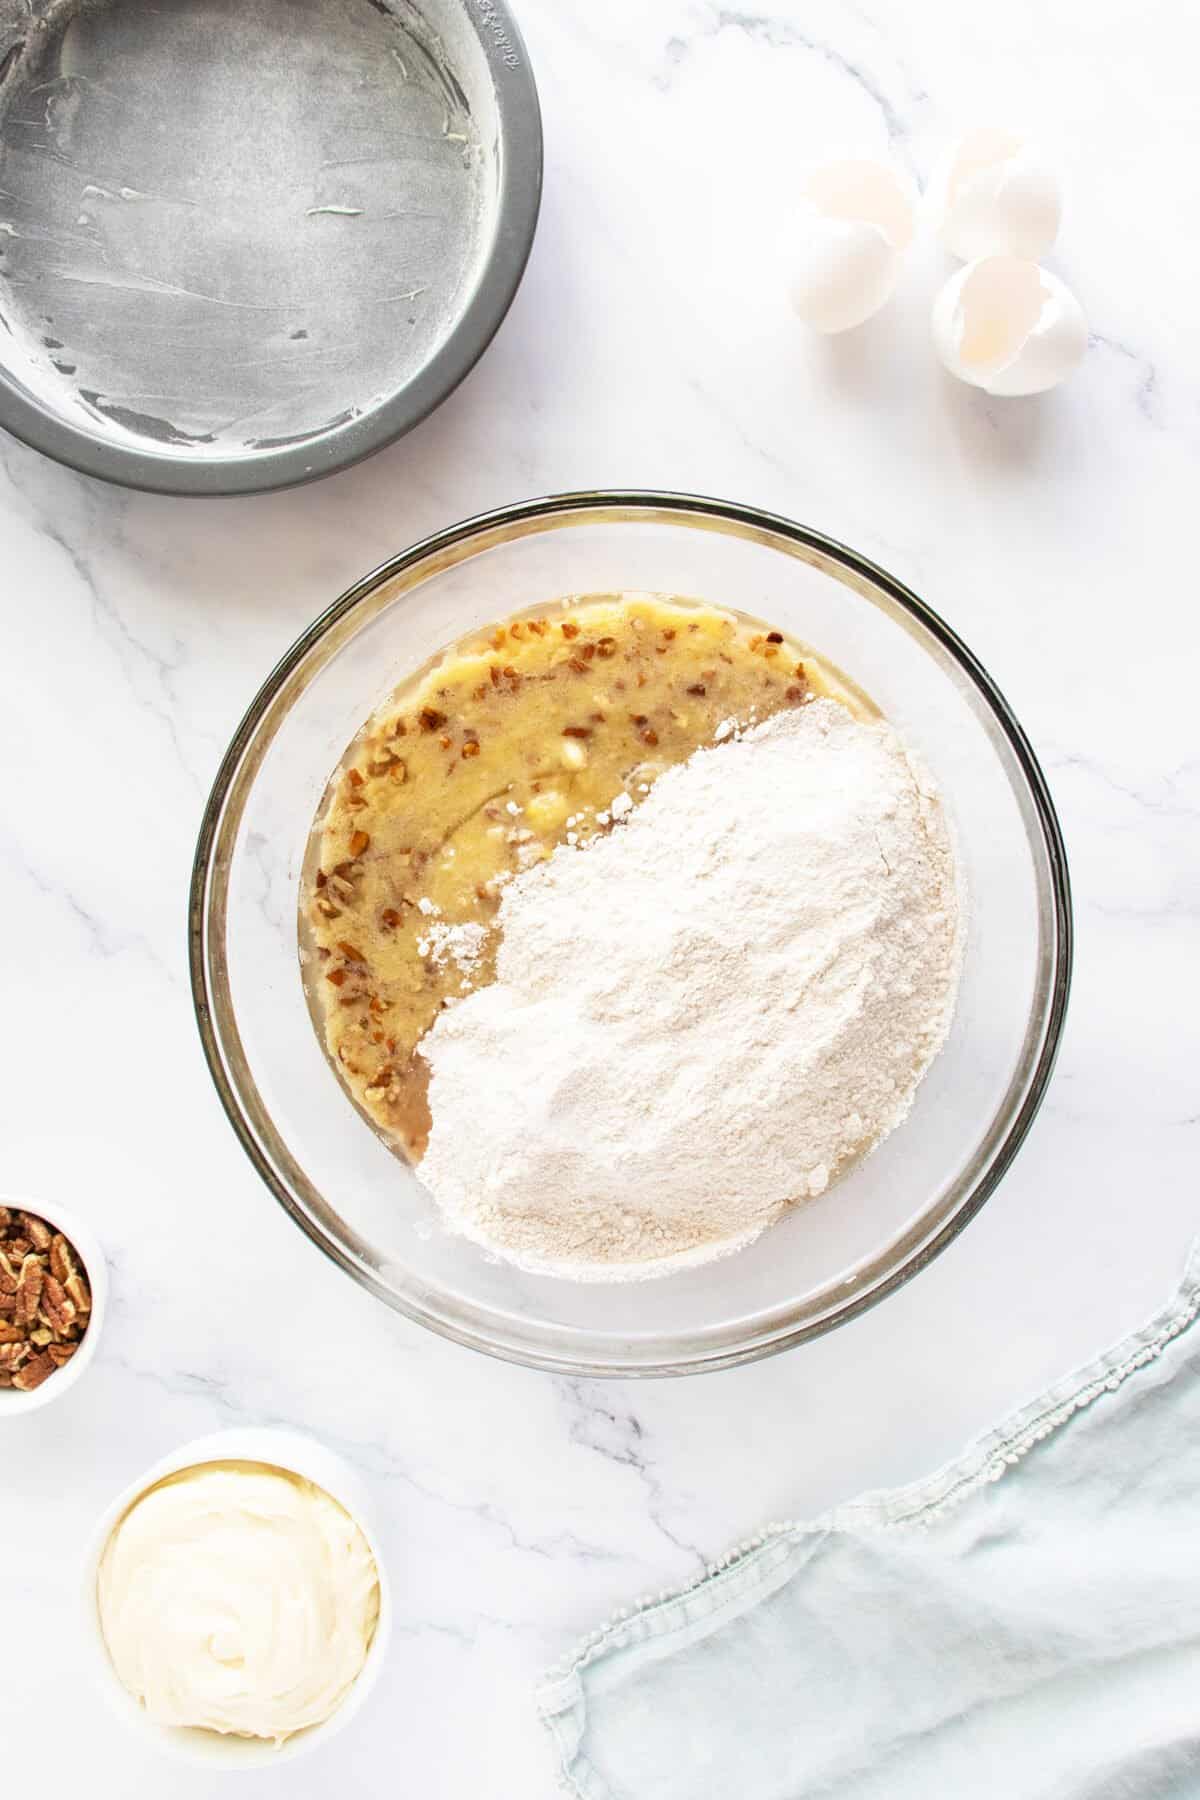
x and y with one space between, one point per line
1025 1624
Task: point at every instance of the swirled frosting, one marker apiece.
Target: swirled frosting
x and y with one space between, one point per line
238 1598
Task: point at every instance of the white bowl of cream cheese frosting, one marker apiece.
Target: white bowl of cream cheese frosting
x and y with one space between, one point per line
236 1600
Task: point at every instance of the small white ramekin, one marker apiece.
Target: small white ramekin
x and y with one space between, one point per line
13 1403
298 1455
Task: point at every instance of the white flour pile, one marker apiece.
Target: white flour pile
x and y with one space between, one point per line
706 1014
465 943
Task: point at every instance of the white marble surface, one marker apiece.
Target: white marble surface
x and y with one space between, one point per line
649 345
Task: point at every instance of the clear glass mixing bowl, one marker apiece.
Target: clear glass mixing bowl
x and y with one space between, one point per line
830 1258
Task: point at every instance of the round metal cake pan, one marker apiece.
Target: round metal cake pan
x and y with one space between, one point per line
244 243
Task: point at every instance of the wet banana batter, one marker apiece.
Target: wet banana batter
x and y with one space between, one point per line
547 729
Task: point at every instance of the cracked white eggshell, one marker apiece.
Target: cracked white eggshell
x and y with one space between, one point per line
997 194
1009 327
855 222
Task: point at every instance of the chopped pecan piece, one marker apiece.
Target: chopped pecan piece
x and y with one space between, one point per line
37 1231
78 1291
32 1374
29 1289
62 1263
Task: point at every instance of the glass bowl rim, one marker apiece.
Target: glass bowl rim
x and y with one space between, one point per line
778 532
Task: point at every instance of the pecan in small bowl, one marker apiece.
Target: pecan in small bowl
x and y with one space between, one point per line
52 1294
